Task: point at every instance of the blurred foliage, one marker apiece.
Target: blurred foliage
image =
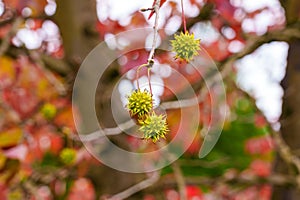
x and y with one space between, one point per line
41 155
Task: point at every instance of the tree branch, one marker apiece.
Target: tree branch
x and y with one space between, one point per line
156 9
180 179
226 66
5 44
56 65
285 151
136 188
240 178
51 78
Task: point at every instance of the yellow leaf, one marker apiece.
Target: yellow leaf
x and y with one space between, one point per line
10 137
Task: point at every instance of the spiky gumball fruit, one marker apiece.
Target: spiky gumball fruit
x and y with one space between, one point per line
185 46
140 103
154 127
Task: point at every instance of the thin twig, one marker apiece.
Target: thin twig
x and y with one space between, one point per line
48 74
106 132
183 17
138 74
239 178
285 151
156 9
6 40
180 180
203 163
149 81
136 188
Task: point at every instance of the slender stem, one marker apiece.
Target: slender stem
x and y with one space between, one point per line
137 77
5 44
138 187
183 17
180 180
149 80
60 87
151 54
138 74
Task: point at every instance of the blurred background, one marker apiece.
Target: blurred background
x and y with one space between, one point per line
254 45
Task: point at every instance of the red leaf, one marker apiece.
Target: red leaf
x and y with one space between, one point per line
261 145
193 192
7 72
134 59
152 12
43 139
226 10
22 100
261 168
37 6
218 50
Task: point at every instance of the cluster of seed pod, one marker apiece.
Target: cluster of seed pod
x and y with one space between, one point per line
140 107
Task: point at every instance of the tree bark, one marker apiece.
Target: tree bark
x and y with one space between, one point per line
290 126
77 22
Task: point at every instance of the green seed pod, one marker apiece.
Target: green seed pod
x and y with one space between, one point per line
185 46
154 127
139 103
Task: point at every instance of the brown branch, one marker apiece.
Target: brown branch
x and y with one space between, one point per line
49 75
136 188
203 163
5 44
240 178
59 66
226 66
8 16
156 9
284 151
180 179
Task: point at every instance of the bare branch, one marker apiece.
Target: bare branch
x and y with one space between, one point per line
136 188
240 178
180 180
56 65
156 9
285 151
5 44
51 78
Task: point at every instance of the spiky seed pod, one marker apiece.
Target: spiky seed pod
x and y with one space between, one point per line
185 46
154 127
140 103
68 156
